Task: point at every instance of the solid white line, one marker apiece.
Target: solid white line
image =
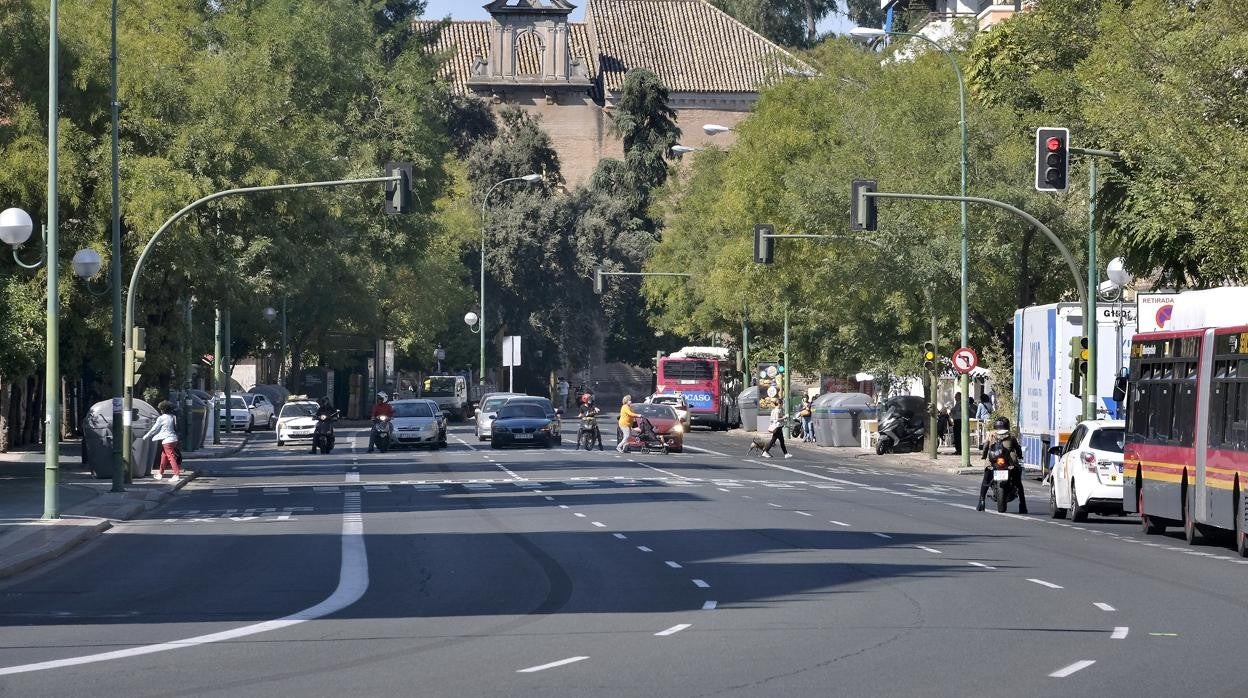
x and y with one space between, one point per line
839 523
795 470
697 449
644 549
578 515
352 583
1120 633
599 524
1077 666
1043 583
673 630
665 472
621 536
802 513
961 506
701 584
980 564
552 665
770 504
881 535
932 550
673 564
709 605
513 475
1104 606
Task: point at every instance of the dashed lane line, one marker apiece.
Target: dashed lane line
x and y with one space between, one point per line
673 564
621 536
551 665
1104 606
710 605
934 551
1068 670
644 549
980 564
1120 633
1043 583
839 523
881 535
701 584
673 630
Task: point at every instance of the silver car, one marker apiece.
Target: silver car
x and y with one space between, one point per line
418 423
261 410
488 410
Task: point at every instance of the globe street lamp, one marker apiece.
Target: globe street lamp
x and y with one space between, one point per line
270 314
1117 272
715 129
87 263
530 179
471 320
682 149
15 227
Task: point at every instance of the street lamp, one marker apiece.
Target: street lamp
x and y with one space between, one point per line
867 34
530 179
87 263
715 129
439 355
682 149
471 320
270 314
15 227
1117 272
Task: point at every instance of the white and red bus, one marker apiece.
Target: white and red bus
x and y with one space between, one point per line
704 376
1185 461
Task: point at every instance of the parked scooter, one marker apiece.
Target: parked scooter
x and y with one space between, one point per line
383 433
902 427
323 434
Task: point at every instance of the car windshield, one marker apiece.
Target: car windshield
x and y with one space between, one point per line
493 404
299 409
412 409
651 411
236 403
1108 440
440 386
540 403
522 411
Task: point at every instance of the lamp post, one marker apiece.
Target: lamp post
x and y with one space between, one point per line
270 314
52 338
531 179
439 355
119 349
867 34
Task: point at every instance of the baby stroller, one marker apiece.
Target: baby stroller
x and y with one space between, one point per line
644 439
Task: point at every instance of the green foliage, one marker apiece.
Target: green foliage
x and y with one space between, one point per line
794 22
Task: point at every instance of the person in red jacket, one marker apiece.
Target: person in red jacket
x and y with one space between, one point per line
382 407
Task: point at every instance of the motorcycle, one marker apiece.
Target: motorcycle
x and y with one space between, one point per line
588 435
383 433
1003 489
902 427
323 434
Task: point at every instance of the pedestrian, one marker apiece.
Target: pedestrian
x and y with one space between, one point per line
942 424
165 431
563 392
625 424
777 433
983 413
955 415
807 414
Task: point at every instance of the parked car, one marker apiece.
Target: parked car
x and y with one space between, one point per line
297 420
666 424
237 414
524 424
677 402
261 409
418 422
1088 474
487 410
554 413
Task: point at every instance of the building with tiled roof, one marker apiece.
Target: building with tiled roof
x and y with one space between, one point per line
529 54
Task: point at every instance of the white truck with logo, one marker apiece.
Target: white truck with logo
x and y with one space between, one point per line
1047 410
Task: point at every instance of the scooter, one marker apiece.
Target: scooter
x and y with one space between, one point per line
323 435
383 433
1003 489
900 431
588 435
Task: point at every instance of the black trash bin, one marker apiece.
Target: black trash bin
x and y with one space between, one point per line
97 439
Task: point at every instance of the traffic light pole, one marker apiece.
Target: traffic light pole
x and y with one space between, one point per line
128 399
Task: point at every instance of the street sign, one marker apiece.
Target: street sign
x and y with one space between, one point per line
965 360
511 351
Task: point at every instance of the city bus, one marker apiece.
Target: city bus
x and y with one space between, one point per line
704 376
1185 461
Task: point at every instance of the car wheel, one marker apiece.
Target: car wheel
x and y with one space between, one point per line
1077 513
281 443
251 423
1241 536
1054 510
273 421
494 445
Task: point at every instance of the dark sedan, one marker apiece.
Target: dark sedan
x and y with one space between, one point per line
524 424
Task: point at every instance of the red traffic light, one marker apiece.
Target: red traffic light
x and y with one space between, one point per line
1053 144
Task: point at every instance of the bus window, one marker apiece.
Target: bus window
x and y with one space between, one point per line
1161 416
1217 412
1185 414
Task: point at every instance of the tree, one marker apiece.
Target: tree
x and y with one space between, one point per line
795 22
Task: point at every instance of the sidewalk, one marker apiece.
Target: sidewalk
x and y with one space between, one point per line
85 504
946 461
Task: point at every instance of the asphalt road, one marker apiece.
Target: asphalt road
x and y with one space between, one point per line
561 573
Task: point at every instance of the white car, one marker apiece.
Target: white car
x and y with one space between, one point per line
1088 474
418 423
678 403
488 410
297 420
261 410
237 415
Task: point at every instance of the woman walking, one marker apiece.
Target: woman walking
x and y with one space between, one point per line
807 414
777 434
165 430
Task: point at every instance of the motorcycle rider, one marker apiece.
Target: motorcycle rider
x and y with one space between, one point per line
1002 443
588 409
323 409
380 408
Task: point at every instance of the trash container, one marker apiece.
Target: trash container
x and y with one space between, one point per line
97 439
747 402
821 409
195 409
839 416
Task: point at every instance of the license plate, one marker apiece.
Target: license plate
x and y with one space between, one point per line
1000 475
524 437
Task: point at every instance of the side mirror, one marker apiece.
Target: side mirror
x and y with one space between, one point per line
477 411
1055 451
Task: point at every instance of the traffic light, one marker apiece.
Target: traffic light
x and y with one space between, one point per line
598 280
399 191
782 364
862 211
929 356
1078 364
764 246
138 347
1052 158
1083 356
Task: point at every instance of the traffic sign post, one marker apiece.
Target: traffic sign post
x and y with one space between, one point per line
965 360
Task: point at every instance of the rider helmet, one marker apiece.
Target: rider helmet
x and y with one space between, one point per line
381 397
1001 424
322 401
587 399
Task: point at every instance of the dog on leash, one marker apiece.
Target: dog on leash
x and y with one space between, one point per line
757 443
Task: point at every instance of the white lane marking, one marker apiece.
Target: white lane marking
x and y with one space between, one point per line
840 523
470 446
673 630
550 498
1120 633
1077 666
795 470
621 536
644 549
599 524
802 513
772 504
578 514
980 564
698 449
1043 583
701 584
513 475
961 506
710 605
673 564
881 535
932 550
552 665
563 506
352 583
722 489
353 476
665 472
1104 606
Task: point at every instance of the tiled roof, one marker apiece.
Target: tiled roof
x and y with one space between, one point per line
464 41
690 44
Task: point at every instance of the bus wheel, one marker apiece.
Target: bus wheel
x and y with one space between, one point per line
1241 536
1147 524
1189 521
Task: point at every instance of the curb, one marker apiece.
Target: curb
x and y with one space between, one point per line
231 451
54 547
854 456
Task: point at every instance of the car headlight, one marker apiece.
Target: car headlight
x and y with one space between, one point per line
678 429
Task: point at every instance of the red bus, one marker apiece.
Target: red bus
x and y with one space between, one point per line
1186 454
704 377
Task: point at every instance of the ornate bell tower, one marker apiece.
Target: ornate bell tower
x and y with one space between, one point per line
530 46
